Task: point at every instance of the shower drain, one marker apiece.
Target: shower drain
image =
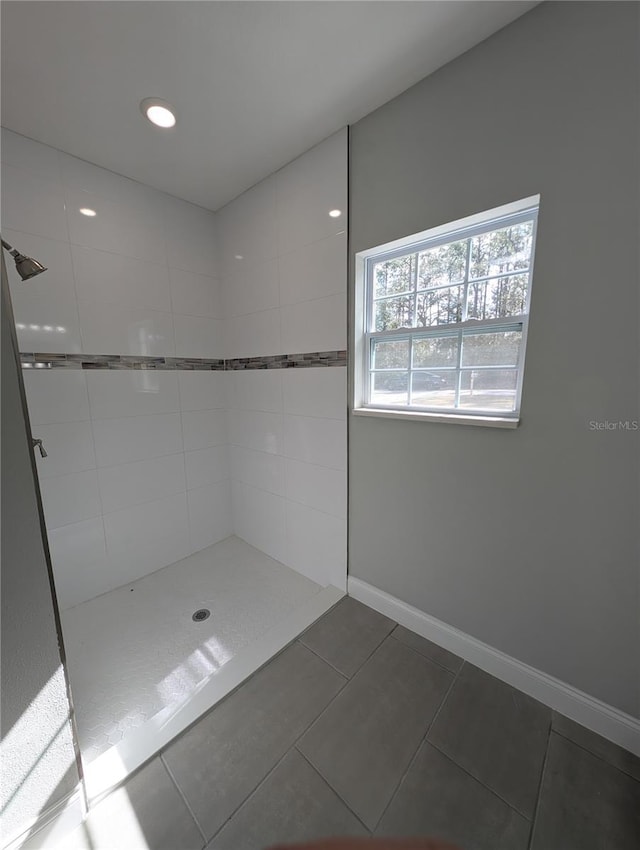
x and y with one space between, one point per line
201 614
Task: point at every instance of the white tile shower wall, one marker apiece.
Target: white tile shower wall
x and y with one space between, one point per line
135 479
139 465
284 266
284 258
137 468
138 277
288 470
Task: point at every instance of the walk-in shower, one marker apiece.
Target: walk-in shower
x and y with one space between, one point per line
194 417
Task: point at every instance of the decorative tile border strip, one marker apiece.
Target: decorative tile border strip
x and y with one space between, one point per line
289 361
309 359
41 360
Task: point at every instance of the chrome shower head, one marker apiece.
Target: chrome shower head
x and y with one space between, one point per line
26 267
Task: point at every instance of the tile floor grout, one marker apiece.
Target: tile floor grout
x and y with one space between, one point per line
422 740
183 798
293 745
622 770
476 778
328 784
362 663
480 782
317 655
437 663
542 773
347 679
247 798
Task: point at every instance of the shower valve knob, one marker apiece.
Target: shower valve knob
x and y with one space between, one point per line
38 443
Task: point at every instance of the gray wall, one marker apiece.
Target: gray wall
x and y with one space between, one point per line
38 755
525 539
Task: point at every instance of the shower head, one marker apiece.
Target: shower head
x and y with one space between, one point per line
26 267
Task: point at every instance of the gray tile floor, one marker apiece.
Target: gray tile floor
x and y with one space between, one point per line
363 728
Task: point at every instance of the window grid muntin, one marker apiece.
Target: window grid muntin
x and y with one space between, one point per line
407 293
418 248
458 369
496 325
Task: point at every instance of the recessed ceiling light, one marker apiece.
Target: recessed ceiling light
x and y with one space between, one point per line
159 112
87 211
239 257
335 213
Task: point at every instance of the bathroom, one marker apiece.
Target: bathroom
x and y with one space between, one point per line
191 358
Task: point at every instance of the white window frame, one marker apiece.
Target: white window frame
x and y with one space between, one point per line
518 211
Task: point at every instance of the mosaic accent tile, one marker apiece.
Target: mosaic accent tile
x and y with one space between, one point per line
309 359
116 361
289 361
194 363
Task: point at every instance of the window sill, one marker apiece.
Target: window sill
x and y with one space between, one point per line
428 416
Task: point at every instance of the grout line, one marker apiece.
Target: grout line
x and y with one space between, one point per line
182 796
466 770
288 457
437 663
332 789
132 505
95 468
83 299
74 273
281 307
97 478
145 459
453 761
136 504
313 652
177 412
423 740
418 748
360 666
312 416
607 761
326 708
479 781
251 794
184 460
291 747
287 498
309 245
542 773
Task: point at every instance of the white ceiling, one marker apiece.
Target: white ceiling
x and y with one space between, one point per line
254 84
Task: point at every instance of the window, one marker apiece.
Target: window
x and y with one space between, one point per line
443 319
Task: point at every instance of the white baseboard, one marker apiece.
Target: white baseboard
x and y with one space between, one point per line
611 723
52 825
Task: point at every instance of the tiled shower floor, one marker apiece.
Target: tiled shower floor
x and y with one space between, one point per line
136 650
